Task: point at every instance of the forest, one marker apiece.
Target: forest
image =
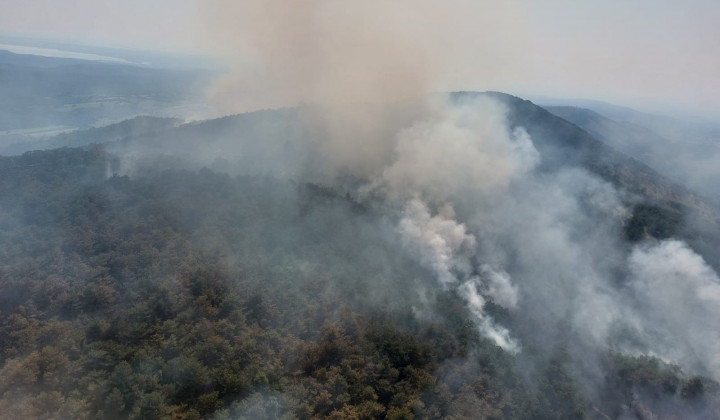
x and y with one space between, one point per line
310 210
188 294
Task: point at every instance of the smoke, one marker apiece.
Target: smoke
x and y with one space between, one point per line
260 405
355 52
444 245
458 151
462 149
440 242
317 51
353 61
364 69
678 298
439 192
362 65
499 287
472 205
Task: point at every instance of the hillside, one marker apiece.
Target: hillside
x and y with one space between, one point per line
209 270
677 209
118 301
125 129
633 140
681 150
277 143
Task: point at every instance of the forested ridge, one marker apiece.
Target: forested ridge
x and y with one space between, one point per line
191 294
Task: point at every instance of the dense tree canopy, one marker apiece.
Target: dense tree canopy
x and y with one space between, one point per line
177 294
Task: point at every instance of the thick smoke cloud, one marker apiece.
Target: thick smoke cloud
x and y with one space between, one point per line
470 201
443 245
363 67
353 52
457 151
360 64
679 300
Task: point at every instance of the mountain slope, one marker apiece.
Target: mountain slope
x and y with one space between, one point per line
676 209
277 142
683 151
631 139
274 141
187 284
133 127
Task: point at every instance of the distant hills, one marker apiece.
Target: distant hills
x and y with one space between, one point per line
676 209
133 127
38 92
271 142
686 151
158 269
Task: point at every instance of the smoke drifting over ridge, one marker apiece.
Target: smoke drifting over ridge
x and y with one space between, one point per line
355 62
365 68
353 52
472 205
369 250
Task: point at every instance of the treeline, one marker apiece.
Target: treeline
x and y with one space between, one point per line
185 295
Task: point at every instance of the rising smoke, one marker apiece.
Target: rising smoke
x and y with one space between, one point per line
362 65
470 202
678 298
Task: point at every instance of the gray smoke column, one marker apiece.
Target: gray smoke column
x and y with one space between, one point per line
285 52
472 208
365 68
361 64
458 151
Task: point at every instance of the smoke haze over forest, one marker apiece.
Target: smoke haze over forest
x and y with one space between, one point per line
361 233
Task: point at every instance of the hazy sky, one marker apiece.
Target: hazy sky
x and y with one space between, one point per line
637 52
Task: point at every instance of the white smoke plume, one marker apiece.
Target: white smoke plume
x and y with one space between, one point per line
458 151
500 335
444 245
441 243
499 287
678 298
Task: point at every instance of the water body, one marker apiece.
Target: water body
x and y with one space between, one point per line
49 52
